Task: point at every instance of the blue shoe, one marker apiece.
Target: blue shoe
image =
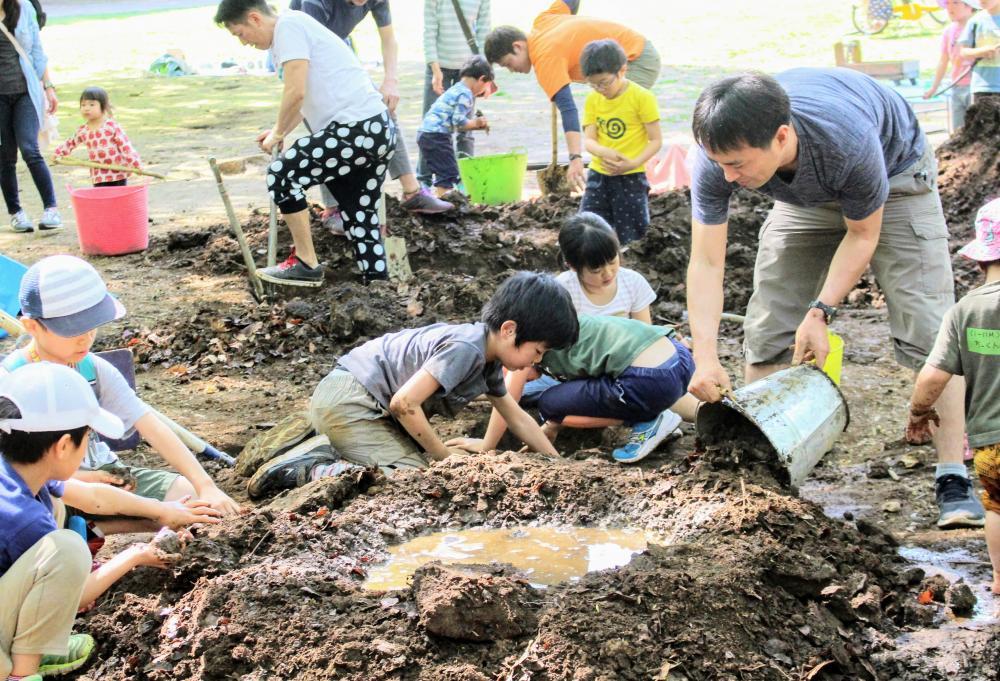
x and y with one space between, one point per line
646 436
957 504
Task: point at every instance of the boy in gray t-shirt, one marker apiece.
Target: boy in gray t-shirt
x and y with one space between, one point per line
373 408
968 345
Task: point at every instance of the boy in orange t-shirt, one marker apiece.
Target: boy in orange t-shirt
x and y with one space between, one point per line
553 50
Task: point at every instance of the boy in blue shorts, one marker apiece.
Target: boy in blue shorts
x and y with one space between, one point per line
63 302
619 371
47 414
621 127
451 113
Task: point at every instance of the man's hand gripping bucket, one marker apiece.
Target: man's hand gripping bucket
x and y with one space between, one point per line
800 411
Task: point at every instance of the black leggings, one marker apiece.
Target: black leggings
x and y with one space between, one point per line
350 159
117 183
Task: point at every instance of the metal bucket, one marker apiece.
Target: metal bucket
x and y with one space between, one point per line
799 410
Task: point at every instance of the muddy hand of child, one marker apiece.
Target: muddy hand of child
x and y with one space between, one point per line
187 511
465 444
219 500
918 426
102 477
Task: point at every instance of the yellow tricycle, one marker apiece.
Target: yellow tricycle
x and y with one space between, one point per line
872 16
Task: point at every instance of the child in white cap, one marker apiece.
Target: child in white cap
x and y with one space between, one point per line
63 302
47 414
968 345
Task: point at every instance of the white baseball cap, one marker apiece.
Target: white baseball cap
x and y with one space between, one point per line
68 296
52 398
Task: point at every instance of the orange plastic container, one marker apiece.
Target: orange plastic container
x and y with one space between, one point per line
111 220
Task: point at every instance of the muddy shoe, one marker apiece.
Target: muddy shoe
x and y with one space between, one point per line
20 222
646 436
80 648
424 201
273 442
957 505
291 469
293 272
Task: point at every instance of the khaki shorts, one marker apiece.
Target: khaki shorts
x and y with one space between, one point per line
645 69
912 265
987 462
358 427
41 594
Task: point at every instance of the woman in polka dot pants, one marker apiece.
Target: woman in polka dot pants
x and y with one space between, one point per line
350 159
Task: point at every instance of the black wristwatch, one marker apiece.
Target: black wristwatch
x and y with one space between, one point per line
573 157
829 312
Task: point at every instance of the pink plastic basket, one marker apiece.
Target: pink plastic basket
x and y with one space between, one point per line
111 220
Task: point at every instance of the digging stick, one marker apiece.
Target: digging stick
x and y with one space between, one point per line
272 222
10 324
255 283
70 161
195 443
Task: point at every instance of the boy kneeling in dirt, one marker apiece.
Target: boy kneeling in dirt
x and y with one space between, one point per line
619 371
373 407
63 303
46 414
968 344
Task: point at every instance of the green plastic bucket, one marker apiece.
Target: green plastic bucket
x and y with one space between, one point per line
494 179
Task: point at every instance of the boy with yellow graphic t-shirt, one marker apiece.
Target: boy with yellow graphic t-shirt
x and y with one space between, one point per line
621 124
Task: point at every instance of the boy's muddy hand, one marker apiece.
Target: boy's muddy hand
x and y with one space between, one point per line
710 381
918 427
106 478
187 511
219 500
465 444
151 556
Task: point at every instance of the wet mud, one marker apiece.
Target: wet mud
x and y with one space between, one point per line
749 583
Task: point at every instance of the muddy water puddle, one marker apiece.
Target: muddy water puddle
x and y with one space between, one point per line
956 564
546 555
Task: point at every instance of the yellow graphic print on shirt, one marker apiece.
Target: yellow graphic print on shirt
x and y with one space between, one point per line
621 121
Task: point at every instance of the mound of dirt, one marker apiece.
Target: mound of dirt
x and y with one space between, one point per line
458 258
969 166
748 584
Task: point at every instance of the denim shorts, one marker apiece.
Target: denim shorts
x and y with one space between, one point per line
638 394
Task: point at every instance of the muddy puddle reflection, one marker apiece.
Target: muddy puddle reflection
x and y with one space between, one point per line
546 555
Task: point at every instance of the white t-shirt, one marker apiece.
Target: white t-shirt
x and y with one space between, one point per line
634 294
337 87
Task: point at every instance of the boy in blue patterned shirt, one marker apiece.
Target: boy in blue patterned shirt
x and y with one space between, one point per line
453 112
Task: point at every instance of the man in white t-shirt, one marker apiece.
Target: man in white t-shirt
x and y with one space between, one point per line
349 149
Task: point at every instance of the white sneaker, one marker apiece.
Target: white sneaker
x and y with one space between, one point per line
50 219
20 222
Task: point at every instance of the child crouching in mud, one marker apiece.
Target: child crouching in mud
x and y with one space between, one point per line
619 371
968 344
373 408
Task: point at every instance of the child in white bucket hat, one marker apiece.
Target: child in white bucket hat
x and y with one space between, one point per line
47 413
968 345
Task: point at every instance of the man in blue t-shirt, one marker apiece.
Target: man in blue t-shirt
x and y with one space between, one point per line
855 184
341 17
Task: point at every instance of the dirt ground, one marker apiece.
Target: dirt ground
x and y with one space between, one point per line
751 581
